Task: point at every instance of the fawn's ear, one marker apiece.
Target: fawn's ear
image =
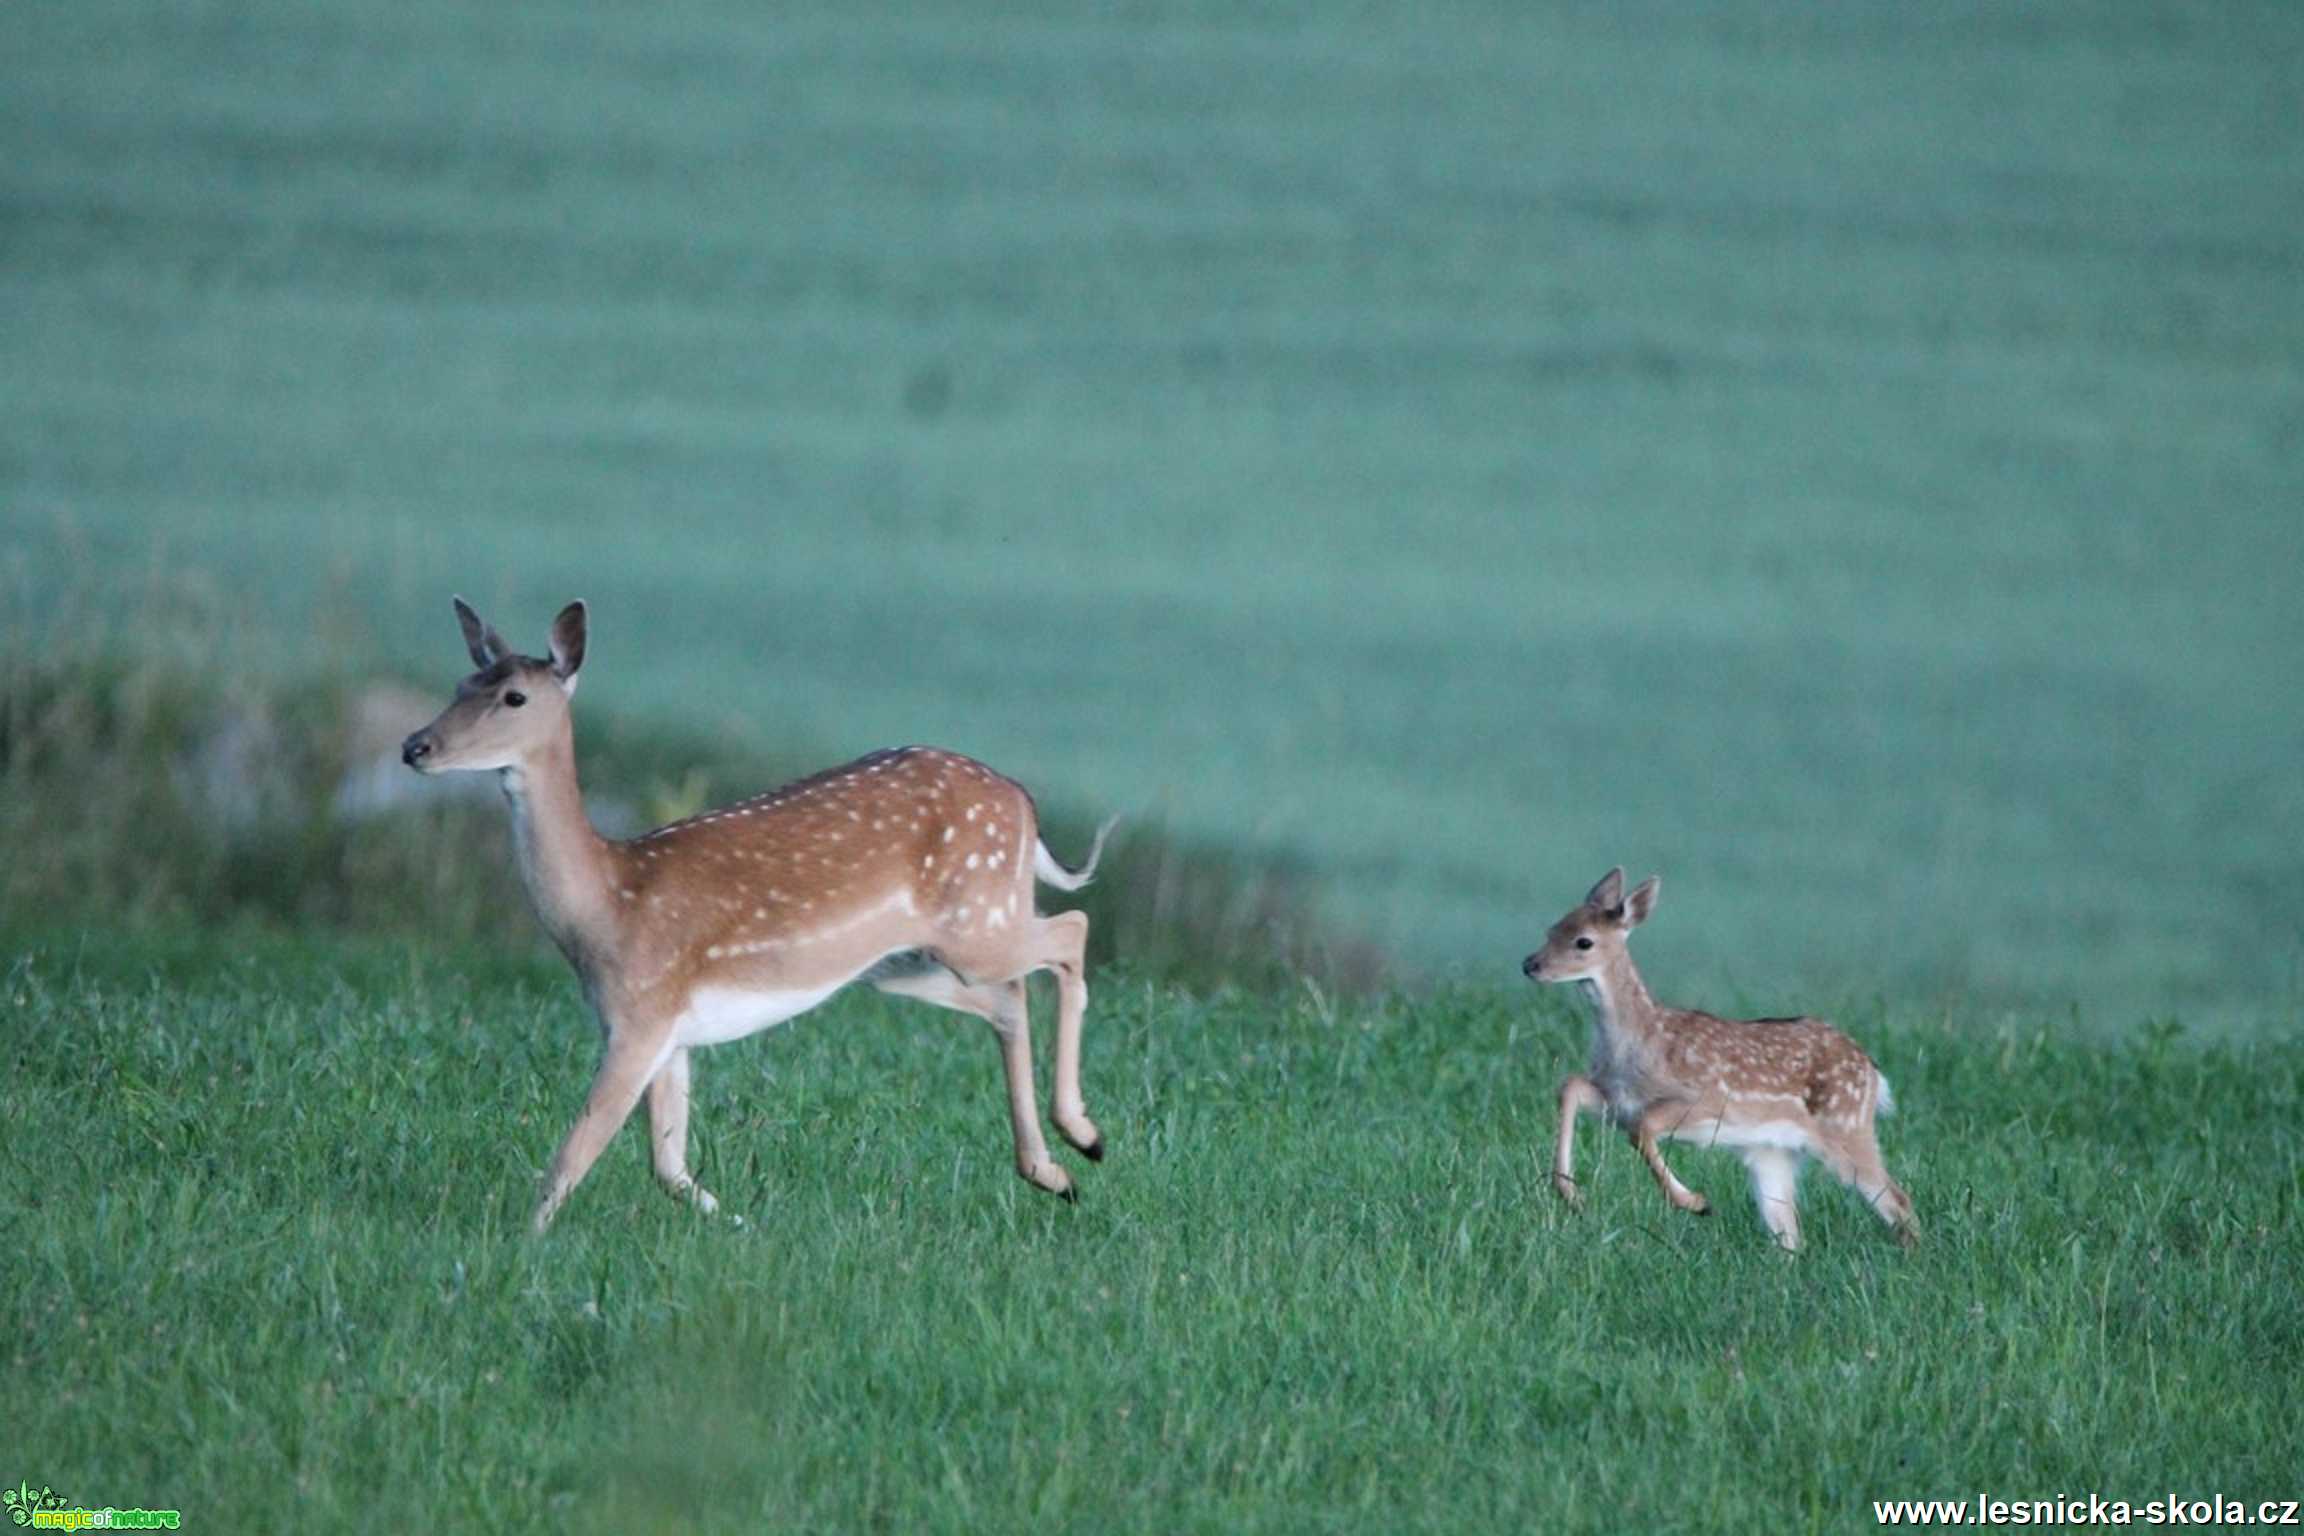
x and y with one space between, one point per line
568 644
1642 901
480 637
1608 895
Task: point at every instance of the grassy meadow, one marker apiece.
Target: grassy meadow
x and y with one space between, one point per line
1849 460
265 1265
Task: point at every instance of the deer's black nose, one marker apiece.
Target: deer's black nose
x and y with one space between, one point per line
415 749
1530 966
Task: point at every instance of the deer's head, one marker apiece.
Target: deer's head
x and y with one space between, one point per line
1594 931
513 706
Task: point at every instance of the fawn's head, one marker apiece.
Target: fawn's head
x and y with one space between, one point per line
1594 931
509 708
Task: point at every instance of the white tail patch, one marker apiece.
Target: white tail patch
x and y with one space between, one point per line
1049 872
1883 1098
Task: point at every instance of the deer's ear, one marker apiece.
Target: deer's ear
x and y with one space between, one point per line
480 637
1608 895
1642 901
568 644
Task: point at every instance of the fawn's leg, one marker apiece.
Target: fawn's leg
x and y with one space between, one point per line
1776 1190
1659 1120
1855 1157
632 1059
668 1133
1577 1094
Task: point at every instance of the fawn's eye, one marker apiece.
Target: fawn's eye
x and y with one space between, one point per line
515 697
1585 942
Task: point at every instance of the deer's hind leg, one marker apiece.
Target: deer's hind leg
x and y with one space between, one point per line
1000 1004
1854 1157
1063 944
1776 1190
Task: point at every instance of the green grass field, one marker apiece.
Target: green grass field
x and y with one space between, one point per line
1849 461
265 1264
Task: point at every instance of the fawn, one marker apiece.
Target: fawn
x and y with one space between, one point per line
910 870
1779 1091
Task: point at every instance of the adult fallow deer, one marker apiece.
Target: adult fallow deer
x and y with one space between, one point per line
911 870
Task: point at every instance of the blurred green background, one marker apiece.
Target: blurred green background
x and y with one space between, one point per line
1850 460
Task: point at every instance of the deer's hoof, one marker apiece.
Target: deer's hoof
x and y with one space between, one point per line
1083 1138
1052 1178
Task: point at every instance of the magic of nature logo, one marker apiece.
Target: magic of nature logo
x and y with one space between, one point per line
48 1510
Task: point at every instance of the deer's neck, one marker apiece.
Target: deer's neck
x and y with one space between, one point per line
1621 1006
562 860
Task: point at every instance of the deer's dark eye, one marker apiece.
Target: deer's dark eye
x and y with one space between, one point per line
1584 943
515 697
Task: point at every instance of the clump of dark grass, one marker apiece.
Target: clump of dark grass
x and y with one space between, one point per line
151 780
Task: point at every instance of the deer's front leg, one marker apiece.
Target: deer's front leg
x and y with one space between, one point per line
632 1059
668 1133
1577 1094
1656 1121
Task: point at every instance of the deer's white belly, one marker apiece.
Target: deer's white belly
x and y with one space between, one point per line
1708 1132
716 1015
